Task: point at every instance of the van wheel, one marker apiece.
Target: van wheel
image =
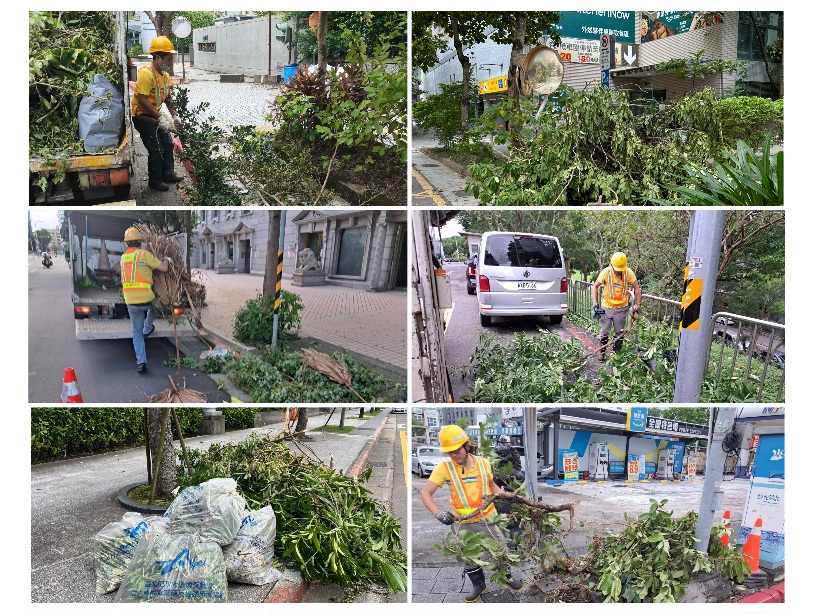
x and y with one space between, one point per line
470 290
556 319
486 320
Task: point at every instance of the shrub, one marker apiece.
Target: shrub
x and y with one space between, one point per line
237 418
441 113
253 323
136 51
752 119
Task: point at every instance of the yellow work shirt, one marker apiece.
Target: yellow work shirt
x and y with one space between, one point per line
615 296
471 481
156 86
141 280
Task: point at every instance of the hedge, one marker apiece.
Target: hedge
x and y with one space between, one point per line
60 432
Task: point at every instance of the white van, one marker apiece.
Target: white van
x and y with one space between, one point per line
521 275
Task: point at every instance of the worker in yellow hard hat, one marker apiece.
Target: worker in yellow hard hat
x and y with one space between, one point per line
136 273
151 91
470 479
616 280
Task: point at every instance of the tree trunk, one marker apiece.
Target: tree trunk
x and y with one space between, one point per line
764 51
465 67
341 421
301 421
167 459
321 39
515 67
271 262
361 412
188 226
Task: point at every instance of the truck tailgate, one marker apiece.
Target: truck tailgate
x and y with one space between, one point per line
106 328
89 161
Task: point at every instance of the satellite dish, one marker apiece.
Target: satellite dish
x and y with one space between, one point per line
181 27
542 71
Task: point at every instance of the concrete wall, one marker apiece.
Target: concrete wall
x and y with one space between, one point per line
247 47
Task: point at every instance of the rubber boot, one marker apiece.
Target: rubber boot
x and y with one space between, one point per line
478 583
514 585
601 355
618 343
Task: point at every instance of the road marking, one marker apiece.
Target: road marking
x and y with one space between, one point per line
403 436
436 198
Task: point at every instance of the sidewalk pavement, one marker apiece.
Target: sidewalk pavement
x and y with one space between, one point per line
372 324
445 182
72 500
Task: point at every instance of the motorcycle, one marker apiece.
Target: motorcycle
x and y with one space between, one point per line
47 262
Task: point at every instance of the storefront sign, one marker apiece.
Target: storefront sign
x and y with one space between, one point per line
494 431
593 24
636 419
766 499
684 428
633 468
579 50
571 467
490 86
655 25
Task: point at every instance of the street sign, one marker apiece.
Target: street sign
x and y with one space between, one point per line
606 43
605 80
626 54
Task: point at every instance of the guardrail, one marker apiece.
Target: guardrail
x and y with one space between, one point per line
740 341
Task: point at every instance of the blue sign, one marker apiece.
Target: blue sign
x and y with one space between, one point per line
494 431
605 80
593 24
636 419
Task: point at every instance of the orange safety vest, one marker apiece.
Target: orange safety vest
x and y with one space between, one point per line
136 284
617 298
160 92
459 499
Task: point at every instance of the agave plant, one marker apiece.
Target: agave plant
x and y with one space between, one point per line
745 179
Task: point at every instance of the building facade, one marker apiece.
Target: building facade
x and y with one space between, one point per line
642 41
365 249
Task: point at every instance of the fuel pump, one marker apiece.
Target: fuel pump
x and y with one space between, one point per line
665 464
599 461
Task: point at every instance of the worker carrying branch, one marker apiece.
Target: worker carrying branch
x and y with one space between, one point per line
470 479
616 279
152 90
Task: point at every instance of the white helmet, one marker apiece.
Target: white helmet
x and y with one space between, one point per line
503 439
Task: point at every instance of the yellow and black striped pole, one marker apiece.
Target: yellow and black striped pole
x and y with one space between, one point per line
277 298
691 302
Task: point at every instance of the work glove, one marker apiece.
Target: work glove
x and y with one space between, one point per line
177 122
445 517
169 259
635 310
597 312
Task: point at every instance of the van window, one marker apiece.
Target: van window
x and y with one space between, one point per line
522 251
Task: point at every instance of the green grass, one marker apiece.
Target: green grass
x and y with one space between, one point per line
335 429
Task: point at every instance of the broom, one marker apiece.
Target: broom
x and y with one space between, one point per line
329 367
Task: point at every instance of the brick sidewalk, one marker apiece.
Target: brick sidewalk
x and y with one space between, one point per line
370 323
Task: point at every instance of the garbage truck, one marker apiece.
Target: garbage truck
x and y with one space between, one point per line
100 177
93 243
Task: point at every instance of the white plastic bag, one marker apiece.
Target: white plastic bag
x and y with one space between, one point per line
115 544
213 510
175 569
249 558
101 115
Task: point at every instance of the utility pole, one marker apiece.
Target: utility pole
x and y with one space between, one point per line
702 264
277 301
712 494
530 451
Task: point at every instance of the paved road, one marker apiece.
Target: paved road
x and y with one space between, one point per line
105 369
464 329
437 578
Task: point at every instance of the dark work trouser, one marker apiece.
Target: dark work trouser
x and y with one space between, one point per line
160 148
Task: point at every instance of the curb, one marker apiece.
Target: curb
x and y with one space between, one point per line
453 166
361 460
128 504
287 591
772 594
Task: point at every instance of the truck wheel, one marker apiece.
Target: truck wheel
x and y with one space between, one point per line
121 192
556 319
486 320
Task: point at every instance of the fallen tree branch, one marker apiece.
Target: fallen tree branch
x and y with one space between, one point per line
488 500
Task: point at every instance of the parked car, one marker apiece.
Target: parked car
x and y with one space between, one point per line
777 359
521 275
724 320
424 458
471 264
398 410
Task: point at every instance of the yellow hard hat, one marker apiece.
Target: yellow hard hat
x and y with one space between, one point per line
452 437
619 262
132 234
161 44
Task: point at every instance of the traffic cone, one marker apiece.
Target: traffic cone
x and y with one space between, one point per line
71 389
726 521
752 544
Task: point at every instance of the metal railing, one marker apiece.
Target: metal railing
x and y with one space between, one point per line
741 341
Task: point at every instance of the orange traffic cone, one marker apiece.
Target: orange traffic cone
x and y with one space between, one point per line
71 389
726 521
752 544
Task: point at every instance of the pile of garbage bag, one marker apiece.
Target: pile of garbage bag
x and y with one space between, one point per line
206 538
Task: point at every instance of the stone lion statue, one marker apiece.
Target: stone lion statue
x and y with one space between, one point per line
307 260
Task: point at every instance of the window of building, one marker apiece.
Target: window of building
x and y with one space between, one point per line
214 215
351 251
770 25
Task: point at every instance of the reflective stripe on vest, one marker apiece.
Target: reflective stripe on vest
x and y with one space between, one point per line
623 298
132 281
458 486
158 97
